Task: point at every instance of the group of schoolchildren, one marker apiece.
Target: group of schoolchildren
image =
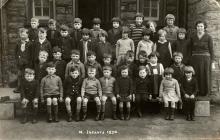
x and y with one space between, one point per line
125 64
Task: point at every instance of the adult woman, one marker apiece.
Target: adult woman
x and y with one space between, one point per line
202 57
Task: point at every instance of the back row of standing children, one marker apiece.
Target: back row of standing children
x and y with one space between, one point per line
126 52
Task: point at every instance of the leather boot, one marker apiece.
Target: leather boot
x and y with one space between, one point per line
172 114
34 117
49 115
25 119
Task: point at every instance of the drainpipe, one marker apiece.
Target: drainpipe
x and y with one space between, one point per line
2 43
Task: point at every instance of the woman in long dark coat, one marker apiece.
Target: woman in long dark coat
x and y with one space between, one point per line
202 57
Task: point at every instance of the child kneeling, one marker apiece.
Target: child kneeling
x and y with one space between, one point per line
170 93
72 86
91 89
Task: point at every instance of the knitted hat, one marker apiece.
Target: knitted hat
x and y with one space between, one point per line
168 70
107 68
29 71
85 31
77 20
170 16
139 15
116 19
64 28
177 54
52 21
96 21
189 69
181 30
56 49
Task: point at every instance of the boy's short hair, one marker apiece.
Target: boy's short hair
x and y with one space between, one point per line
130 53
116 19
153 54
181 30
107 55
142 53
56 49
42 30
189 69
43 52
51 21
161 31
142 68
76 52
103 33
90 53
51 65
96 21
74 68
170 16
86 31
34 19
107 68
146 32
29 71
168 70
139 15
123 67
177 54
64 28
91 68
77 20
125 29
21 30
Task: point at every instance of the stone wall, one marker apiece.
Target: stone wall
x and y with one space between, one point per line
208 10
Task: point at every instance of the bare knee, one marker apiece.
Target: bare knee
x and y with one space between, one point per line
55 101
67 101
49 101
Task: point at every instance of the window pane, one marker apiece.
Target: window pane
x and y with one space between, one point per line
45 3
37 2
154 3
154 12
146 3
45 11
37 11
146 12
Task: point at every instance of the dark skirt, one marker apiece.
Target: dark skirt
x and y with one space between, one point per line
202 67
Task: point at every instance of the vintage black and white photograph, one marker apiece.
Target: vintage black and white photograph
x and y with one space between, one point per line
110 69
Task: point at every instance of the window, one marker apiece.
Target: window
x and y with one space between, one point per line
150 9
41 9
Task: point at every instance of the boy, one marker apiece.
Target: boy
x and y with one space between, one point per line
123 45
29 95
85 45
76 34
108 86
59 63
171 29
124 91
96 29
141 88
51 90
72 87
33 31
53 34
107 58
102 47
182 45
91 56
65 42
137 29
114 34
22 55
75 62
42 44
91 89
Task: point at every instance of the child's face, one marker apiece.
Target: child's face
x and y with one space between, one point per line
142 59
96 26
57 55
51 70
181 36
75 57
42 35
146 37
129 59
43 57
85 37
29 77
102 38
77 26
107 61
162 37
91 58
34 24
115 25
178 59
52 26
23 35
200 27
107 73
170 21
188 75
138 20
124 73
91 73
153 59
74 74
151 26
64 33
124 35
168 76
142 73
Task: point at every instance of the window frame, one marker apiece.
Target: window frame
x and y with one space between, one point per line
41 17
141 5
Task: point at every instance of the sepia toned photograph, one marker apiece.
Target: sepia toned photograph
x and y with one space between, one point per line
110 69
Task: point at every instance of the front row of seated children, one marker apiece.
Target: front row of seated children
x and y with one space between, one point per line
121 90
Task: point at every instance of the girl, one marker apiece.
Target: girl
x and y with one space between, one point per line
170 93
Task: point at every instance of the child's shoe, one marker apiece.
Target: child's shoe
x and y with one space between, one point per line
172 114
114 117
49 119
139 114
84 116
167 116
127 116
25 119
69 117
102 116
188 117
122 116
77 116
97 116
192 118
